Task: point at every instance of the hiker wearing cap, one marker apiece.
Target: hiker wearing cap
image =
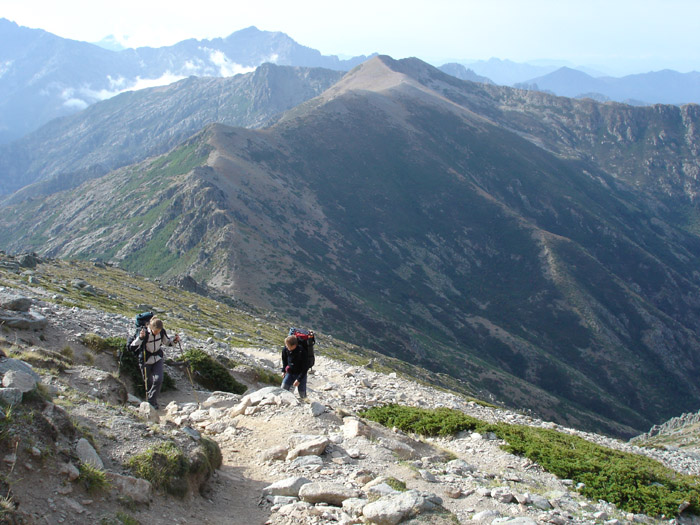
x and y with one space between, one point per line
295 365
149 345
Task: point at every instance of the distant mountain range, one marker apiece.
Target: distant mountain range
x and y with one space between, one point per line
659 87
538 248
43 76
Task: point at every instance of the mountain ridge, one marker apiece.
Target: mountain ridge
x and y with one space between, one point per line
469 248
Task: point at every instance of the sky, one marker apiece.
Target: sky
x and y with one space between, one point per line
613 36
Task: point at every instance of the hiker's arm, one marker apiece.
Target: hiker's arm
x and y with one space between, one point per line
138 341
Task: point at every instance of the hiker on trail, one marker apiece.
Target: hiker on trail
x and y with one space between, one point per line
148 345
295 365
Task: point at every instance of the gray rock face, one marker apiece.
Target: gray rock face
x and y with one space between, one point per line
330 493
16 303
7 364
221 400
27 321
22 381
11 396
87 454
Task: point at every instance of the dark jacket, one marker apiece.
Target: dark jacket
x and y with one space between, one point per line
295 362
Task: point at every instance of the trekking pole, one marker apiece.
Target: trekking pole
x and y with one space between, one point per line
145 369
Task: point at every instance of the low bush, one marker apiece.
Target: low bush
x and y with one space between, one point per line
168 468
210 373
93 478
633 482
165 466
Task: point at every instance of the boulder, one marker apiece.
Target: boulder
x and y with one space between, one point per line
11 396
16 303
353 427
147 412
313 447
221 400
7 364
87 454
394 508
286 487
330 493
133 489
22 381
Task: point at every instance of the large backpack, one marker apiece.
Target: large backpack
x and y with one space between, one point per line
307 340
141 321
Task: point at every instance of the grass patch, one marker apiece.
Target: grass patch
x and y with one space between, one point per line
99 344
165 466
210 373
396 484
263 375
633 482
93 478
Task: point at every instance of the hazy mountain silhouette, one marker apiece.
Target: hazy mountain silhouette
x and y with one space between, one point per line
43 76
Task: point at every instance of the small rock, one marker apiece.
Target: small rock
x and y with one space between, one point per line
70 470
453 492
317 409
486 515
147 412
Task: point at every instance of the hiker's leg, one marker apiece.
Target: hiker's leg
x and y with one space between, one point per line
156 377
302 386
288 381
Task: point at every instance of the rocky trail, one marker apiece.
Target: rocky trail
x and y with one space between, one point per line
283 461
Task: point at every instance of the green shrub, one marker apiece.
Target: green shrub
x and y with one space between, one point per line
93 478
99 344
263 375
439 422
210 373
396 484
633 482
165 466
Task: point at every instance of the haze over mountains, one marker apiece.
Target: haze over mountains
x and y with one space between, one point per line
43 76
538 248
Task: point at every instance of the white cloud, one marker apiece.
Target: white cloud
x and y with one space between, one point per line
75 103
82 97
227 68
121 85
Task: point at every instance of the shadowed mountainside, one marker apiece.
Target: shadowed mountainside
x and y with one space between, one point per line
449 224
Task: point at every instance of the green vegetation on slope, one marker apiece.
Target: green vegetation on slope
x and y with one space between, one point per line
633 482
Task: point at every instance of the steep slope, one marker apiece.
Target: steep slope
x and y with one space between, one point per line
399 211
139 124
